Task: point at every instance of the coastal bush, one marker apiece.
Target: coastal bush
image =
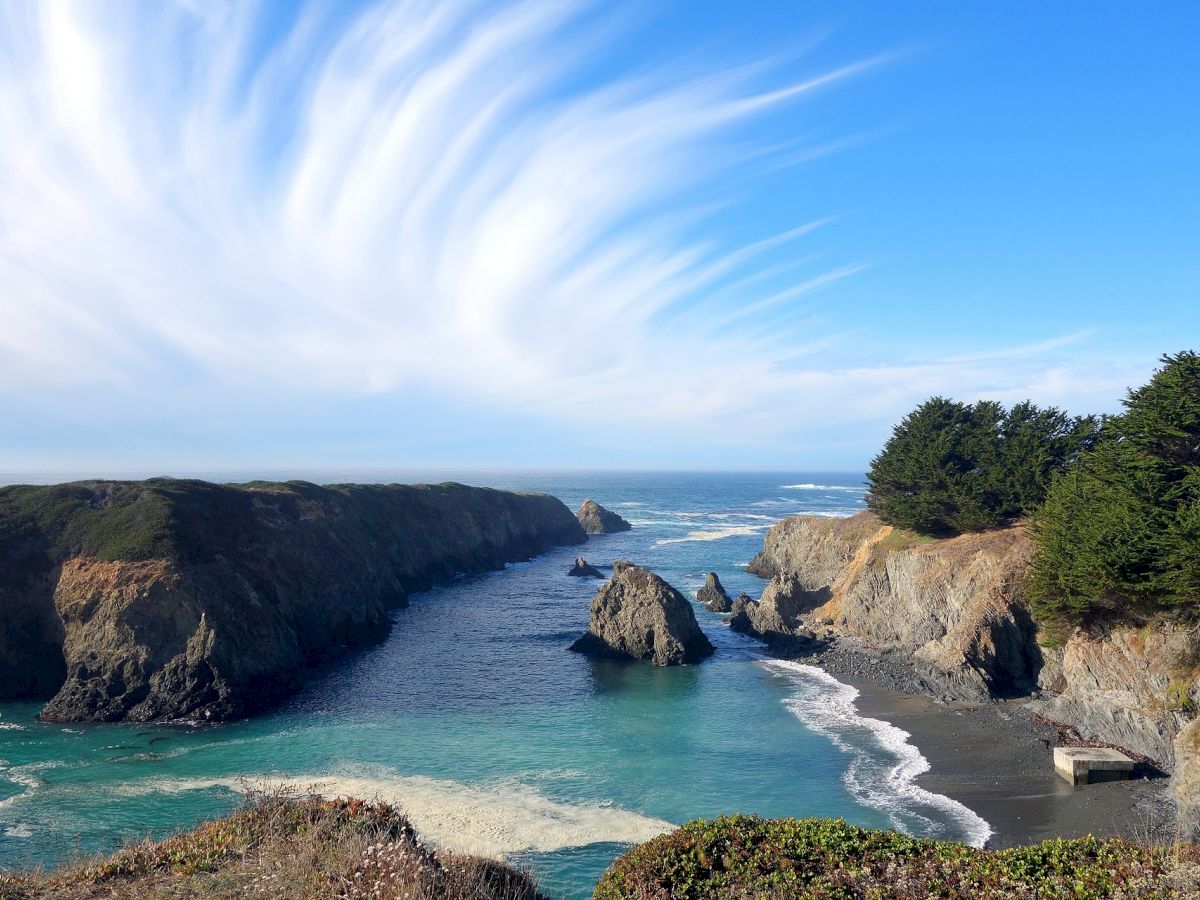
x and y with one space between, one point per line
281 844
745 856
1119 534
953 467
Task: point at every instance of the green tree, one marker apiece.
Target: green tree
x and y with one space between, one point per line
951 467
1119 534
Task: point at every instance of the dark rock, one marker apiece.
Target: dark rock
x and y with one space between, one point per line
595 519
636 614
582 569
171 599
713 595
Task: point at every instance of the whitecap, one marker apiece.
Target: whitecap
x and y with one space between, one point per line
26 777
496 818
716 535
18 831
826 705
11 726
821 487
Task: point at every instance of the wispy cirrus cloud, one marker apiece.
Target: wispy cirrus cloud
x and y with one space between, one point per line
421 196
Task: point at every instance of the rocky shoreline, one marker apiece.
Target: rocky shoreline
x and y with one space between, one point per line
995 757
943 626
169 599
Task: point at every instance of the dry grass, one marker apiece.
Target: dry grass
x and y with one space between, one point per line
282 844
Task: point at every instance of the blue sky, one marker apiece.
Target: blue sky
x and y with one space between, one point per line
651 235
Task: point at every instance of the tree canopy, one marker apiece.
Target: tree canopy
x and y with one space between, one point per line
951 467
1119 534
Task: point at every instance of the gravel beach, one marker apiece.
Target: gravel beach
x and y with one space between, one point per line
997 759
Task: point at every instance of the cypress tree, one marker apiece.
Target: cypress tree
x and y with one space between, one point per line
1119 534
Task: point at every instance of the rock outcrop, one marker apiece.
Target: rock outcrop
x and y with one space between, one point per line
956 610
954 606
713 594
1186 781
637 615
777 617
595 519
1134 686
582 569
170 599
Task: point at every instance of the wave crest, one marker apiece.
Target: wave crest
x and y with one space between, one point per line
884 779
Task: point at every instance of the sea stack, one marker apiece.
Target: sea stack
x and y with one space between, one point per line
637 615
713 595
582 569
595 519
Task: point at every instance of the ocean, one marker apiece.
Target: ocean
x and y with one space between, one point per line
475 718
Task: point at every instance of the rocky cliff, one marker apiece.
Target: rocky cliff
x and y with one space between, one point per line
955 608
170 599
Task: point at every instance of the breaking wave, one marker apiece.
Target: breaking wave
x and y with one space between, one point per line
714 535
884 766
821 487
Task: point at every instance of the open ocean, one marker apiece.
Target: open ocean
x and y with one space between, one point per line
475 718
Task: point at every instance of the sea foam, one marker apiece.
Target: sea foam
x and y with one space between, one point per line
495 818
883 780
714 535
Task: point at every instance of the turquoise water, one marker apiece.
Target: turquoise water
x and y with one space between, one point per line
474 716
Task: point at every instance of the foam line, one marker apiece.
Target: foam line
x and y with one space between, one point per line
826 705
495 819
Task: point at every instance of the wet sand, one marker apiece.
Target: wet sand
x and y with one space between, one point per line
995 759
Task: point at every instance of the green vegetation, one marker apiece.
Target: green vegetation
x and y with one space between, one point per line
281 845
749 857
951 467
1119 534
903 539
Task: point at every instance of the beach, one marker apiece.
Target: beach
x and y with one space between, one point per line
996 758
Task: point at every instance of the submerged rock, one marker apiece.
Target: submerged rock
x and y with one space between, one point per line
595 519
713 594
582 569
638 615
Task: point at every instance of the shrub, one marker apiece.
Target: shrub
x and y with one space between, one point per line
951 467
284 844
745 856
1119 534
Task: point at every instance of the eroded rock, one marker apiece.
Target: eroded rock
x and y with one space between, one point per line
713 594
595 519
582 569
637 615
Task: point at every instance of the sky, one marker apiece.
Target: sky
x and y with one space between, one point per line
566 234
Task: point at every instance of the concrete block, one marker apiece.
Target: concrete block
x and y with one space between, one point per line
1087 765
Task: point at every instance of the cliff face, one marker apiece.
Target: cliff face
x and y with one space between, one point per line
1135 687
173 599
956 608
953 605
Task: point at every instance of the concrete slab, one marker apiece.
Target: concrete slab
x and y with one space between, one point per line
1088 765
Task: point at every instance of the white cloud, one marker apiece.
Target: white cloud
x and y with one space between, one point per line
421 195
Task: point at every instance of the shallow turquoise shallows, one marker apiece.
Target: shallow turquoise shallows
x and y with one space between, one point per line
475 717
